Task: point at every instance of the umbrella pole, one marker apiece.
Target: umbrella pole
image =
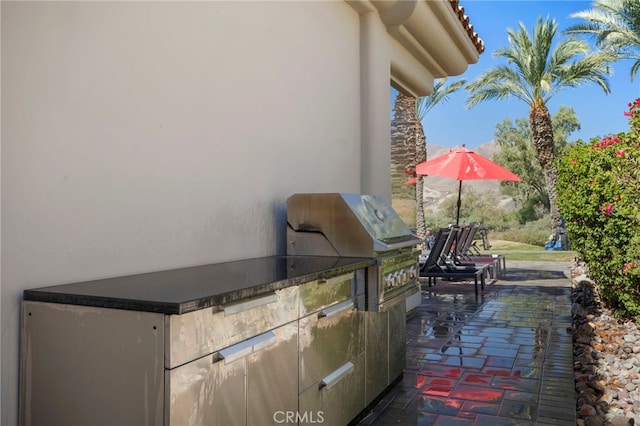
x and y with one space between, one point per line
459 202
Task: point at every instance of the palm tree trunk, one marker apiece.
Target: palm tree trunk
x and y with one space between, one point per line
542 138
420 156
408 148
402 144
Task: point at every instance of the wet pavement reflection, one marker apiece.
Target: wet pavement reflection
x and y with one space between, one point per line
501 358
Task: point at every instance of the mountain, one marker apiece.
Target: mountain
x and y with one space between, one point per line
437 189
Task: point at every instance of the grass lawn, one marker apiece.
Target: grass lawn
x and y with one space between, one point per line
520 251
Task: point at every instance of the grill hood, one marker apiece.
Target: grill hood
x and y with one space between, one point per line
341 224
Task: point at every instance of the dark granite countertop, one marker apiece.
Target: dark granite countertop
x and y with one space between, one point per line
179 291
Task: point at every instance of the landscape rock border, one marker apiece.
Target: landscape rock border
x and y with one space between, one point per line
606 355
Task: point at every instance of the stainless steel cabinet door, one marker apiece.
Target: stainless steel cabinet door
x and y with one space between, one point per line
246 383
272 376
337 398
83 366
329 339
206 392
332 365
397 340
385 346
203 332
318 294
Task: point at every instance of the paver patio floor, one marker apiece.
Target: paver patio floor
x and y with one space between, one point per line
501 358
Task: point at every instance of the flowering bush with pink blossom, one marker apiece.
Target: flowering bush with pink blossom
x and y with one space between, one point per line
599 197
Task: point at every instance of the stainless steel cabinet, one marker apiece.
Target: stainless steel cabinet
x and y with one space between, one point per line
249 348
272 379
303 354
337 398
331 339
234 364
385 347
90 366
246 383
205 331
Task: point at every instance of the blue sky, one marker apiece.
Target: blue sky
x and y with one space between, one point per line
452 124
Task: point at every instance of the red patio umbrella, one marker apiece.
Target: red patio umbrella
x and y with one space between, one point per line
410 181
464 164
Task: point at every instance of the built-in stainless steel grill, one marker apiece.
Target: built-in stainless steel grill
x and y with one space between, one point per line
355 225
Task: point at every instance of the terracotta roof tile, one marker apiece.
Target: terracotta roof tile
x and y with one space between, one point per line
466 24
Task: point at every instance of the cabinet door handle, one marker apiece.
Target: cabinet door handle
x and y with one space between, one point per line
336 309
337 375
263 341
249 346
245 305
236 352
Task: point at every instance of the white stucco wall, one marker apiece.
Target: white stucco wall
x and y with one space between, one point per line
146 136
154 135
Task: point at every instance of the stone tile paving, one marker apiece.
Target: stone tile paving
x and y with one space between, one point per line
502 358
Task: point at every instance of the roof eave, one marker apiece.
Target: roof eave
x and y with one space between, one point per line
432 32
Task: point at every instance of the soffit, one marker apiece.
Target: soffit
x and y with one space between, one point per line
436 33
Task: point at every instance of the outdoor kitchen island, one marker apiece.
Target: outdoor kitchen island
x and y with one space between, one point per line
270 340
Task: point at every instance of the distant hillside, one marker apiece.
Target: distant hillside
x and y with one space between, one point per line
437 189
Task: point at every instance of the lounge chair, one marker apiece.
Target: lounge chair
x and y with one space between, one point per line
449 260
464 254
434 267
456 257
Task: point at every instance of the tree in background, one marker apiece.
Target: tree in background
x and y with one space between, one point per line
615 26
408 141
479 207
518 155
440 95
534 73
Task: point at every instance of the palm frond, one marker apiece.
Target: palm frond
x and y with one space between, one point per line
499 82
614 25
543 35
634 69
565 51
535 70
440 95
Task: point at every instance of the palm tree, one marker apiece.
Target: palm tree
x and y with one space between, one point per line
615 25
534 73
440 95
408 141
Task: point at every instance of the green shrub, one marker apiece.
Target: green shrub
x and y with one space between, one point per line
535 232
532 209
599 197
